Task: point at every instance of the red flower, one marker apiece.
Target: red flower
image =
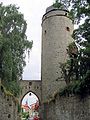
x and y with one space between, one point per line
36 118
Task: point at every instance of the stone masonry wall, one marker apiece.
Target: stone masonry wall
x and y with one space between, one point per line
30 86
8 107
67 108
57 29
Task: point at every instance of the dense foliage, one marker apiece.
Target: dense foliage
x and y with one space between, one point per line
82 37
13 44
62 4
77 69
25 115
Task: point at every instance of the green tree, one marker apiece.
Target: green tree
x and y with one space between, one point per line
13 44
62 4
81 11
78 67
81 8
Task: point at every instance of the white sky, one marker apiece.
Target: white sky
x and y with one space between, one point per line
33 11
29 99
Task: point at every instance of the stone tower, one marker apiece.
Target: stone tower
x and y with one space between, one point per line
57 29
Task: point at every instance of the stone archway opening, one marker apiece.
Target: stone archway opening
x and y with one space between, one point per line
30 104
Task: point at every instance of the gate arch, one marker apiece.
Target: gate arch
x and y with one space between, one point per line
27 86
34 94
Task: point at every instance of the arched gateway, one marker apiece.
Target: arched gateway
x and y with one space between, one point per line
30 86
30 98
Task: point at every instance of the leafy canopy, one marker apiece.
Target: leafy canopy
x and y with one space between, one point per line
13 44
78 67
62 4
82 37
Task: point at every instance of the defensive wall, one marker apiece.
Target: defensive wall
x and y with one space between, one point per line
8 106
67 108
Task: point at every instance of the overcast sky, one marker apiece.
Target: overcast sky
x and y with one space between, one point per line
30 99
33 11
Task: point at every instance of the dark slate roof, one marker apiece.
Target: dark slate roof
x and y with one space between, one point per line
51 8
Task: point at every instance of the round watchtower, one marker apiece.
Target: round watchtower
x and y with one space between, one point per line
57 29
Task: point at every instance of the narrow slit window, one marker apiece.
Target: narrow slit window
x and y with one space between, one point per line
68 29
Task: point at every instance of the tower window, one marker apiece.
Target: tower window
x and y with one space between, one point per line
9 116
2 89
68 29
30 83
37 87
7 99
66 14
45 31
10 104
30 94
